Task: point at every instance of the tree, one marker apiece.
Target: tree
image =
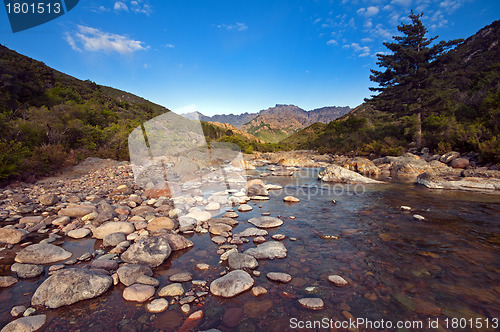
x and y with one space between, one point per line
404 84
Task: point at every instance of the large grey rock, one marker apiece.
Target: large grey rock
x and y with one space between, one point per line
26 270
268 250
48 199
112 240
152 251
238 261
335 173
252 231
232 284
113 227
266 222
25 324
128 274
70 286
42 253
12 235
468 183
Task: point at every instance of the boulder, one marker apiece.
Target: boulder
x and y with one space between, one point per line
468 183
335 173
266 222
449 157
361 165
129 273
26 271
232 284
113 239
12 235
160 223
178 242
48 199
113 227
138 292
152 251
237 261
460 163
42 253
70 286
268 250
25 324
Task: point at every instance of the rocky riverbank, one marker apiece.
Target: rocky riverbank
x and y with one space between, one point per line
138 230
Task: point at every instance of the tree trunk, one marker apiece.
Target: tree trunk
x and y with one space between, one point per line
419 130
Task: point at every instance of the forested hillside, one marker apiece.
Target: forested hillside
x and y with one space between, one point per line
460 109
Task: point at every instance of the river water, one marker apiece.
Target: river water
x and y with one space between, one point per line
441 273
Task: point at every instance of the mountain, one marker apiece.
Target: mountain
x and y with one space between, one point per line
270 127
235 120
461 114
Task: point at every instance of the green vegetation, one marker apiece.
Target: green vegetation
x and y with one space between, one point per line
451 103
49 120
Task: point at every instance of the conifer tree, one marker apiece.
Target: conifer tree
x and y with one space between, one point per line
404 83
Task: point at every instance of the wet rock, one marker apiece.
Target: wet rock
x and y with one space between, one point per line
152 251
192 321
128 274
245 208
157 306
312 303
232 317
268 250
104 264
142 210
278 237
217 229
460 163
418 217
181 277
259 290
291 199
31 220
266 222
230 215
256 308
252 231
76 211
228 221
212 206
178 242
146 280
61 221
337 280
185 308
238 260
7 281
160 223
219 240
202 266
259 239
113 239
449 157
172 290
335 173
25 271
17 310
138 292
25 324
405 208
279 276
79 233
42 253
480 173
467 183
199 215
361 165
69 286
113 227
232 284
12 235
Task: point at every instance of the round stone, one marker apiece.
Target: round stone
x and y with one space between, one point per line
158 305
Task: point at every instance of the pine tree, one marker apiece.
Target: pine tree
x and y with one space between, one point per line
404 83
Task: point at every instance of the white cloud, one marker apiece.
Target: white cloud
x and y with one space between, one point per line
362 50
367 40
331 42
368 12
451 5
317 21
120 6
404 3
238 26
94 40
368 23
141 7
169 45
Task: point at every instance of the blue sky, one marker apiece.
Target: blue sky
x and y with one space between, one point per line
236 56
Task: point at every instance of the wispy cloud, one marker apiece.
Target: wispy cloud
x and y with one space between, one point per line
451 5
119 6
404 3
133 6
141 7
368 12
238 26
169 45
331 42
95 40
361 50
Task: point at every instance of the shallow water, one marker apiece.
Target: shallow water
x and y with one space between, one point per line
442 269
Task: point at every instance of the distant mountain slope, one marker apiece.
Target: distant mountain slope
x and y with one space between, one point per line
462 114
276 123
236 120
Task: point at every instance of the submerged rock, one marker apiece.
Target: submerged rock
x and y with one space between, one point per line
232 284
42 253
152 251
268 250
266 222
312 303
335 173
238 260
70 286
25 324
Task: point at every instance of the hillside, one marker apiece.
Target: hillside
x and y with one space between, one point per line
461 113
270 127
50 120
